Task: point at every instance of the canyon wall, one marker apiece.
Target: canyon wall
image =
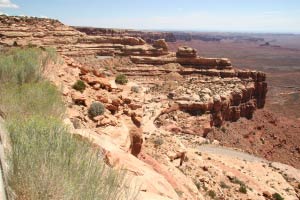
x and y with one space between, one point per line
147 60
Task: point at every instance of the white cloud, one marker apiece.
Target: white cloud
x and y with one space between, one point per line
7 4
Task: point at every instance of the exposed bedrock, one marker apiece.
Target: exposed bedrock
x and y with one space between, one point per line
18 31
224 108
185 56
149 37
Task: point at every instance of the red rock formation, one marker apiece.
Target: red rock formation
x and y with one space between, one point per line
68 41
149 37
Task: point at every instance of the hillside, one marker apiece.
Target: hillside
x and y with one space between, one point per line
160 110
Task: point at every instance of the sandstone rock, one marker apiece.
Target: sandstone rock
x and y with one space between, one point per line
136 138
116 102
103 82
127 100
106 122
161 43
79 98
267 195
136 119
139 172
102 99
97 86
112 108
186 52
134 106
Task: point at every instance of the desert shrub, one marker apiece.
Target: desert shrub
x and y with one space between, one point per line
224 185
31 99
96 109
198 184
48 163
235 180
212 194
243 189
277 196
121 79
79 86
19 66
135 89
158 141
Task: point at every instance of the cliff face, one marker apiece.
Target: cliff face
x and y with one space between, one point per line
22 31
148 36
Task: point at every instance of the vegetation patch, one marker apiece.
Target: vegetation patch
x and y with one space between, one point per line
235 180
243 189
277 196
79 86
212 194
158 141
224 185
96 109
135 89
121 79
19 66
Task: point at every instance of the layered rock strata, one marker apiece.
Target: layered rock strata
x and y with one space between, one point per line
23 31
148 36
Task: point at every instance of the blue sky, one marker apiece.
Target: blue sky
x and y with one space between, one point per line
201 15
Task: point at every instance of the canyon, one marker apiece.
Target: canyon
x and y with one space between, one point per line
174 102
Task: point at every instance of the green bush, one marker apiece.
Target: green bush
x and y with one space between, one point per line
79 86
96 109
277 196
243 189
121 79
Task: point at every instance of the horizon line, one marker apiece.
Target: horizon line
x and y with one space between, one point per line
171 30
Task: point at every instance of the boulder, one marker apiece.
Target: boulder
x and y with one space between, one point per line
136 119
161 44
186 52
79 98
136 140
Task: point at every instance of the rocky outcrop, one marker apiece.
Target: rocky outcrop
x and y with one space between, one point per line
186 52
185 56
17 31
149 37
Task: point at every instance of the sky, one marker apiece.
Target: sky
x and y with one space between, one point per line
276 16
